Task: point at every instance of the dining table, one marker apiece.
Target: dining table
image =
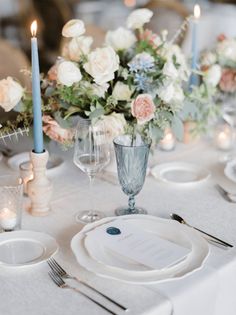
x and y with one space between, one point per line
210 290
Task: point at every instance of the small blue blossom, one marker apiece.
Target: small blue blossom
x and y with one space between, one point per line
141 62
142 82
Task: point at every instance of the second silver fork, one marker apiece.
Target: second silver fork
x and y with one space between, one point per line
53 264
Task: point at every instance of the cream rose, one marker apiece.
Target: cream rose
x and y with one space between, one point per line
208 59
122 92
73 28
143 108
114 125
68 73
138 18
226 49
101 65
99 90
11 93
171 92
120 39
79 46
213 75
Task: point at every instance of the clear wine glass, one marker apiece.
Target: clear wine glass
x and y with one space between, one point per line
132 157
91 155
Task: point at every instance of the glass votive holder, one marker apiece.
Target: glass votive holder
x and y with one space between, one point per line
168 142
224 137
26 173
11 193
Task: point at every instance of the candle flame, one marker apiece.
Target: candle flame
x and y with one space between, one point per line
130 3
197 11
34 28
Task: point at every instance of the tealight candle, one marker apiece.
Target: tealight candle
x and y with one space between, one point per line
224 138
8 219
168 142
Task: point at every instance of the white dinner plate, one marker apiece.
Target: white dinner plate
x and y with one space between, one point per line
180 173
184 235
26 248
230 170
54 164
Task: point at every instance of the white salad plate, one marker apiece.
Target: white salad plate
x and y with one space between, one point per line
54 164
230 170
179 173
109 264
26 248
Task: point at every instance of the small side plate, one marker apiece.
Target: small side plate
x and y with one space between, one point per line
179 173
26 248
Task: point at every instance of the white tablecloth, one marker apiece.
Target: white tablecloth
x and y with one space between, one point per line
210 291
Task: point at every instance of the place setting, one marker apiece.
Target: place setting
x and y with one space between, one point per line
123 125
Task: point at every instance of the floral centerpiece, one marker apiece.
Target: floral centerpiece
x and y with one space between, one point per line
134 82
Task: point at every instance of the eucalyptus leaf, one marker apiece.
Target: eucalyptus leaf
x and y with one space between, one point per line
96 113
177 127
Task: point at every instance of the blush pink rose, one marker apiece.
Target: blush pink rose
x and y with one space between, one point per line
221 37
55 132
228 81
143 108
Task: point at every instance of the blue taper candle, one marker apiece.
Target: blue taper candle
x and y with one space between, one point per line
37 111
194 79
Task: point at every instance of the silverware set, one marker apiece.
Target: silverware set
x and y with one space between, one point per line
57 274
210 238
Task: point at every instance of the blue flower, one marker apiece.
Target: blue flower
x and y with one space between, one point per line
142 62
142 82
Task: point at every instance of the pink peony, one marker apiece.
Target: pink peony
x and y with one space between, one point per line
54 131
228 81
143 108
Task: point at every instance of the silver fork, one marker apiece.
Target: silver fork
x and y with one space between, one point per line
61 284
56 268
225 194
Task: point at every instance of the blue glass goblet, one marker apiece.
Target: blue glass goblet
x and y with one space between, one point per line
131 157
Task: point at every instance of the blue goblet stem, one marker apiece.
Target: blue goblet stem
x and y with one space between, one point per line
131 204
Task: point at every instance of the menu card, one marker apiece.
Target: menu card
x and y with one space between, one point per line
147 248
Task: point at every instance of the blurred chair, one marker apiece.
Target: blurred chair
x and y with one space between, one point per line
168 14
13 60
97 33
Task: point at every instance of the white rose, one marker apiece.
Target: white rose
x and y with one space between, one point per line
227 49
99 90
120 39
122 92
101 65
208 58
171 93
173 51
11 93
138 18
73 28
166 92
114 125
213 75
68 73
79 46
170 70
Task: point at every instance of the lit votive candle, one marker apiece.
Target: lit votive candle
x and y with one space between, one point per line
168 142
8 219
224 138
26 173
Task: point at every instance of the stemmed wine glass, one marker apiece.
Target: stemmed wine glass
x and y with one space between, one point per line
91 154
132 157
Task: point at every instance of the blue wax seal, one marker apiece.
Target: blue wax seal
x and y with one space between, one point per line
113 231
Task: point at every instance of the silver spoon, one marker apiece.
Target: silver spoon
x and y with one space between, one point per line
178 218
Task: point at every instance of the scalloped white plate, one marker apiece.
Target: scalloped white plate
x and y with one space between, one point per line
94 261
180 173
